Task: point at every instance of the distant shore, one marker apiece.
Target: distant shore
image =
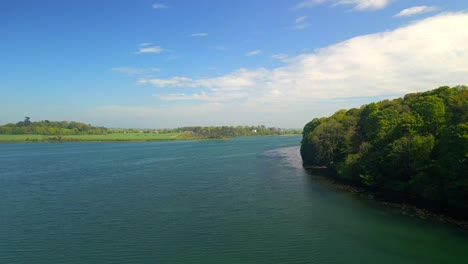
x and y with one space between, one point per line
112 137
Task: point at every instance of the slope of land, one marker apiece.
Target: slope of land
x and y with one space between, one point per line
412 149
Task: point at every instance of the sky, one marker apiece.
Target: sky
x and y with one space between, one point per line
173 63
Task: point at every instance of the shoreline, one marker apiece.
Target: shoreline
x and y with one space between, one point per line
114 140
97 138
109 138
404 208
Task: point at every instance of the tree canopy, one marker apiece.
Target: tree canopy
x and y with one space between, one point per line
416 145
47 127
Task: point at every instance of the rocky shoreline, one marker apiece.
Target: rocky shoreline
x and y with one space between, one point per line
404 208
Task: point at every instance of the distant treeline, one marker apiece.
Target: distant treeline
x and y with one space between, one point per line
47 127
414 147
231 131
222 131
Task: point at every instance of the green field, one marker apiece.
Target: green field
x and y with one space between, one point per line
108 137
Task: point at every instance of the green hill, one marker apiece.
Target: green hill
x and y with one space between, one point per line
412 149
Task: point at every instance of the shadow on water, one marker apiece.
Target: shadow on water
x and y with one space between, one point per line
329 185
345 217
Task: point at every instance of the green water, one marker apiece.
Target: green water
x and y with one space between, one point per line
242 201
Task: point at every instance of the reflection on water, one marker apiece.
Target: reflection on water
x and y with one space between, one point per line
289 156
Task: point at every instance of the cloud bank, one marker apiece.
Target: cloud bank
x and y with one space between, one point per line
417 57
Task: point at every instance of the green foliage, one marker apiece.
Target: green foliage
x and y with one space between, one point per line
432 111
51 128
417 145
75 131
220 132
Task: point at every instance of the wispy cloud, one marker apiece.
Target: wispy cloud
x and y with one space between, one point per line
135 71
300 19
300 23
253 52
280 56
309 3
199 34
172 82
148 48
358 4
159 6
233 81
415 10
301 26
365 4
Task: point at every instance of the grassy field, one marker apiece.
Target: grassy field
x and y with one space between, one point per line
108 137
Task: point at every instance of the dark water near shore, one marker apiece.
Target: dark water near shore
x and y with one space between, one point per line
242 201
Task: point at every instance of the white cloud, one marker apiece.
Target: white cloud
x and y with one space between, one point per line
199 34
135 71
159 6
145 44
301 26
358 4
417 57
172 82
147 47
365 4
280 56
300 19
416 10
309 3
300 23
154 49
237 80
253 52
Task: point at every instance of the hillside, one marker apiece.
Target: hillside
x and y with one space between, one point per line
412 149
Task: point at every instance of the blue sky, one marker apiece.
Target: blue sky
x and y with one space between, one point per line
205 62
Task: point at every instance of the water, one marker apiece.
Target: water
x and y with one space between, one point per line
242 201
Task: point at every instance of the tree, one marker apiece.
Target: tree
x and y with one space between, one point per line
27 121
432 111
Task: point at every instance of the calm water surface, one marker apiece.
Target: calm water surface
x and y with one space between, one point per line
242 201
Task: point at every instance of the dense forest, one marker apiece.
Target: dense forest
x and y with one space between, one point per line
414 148
47 127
